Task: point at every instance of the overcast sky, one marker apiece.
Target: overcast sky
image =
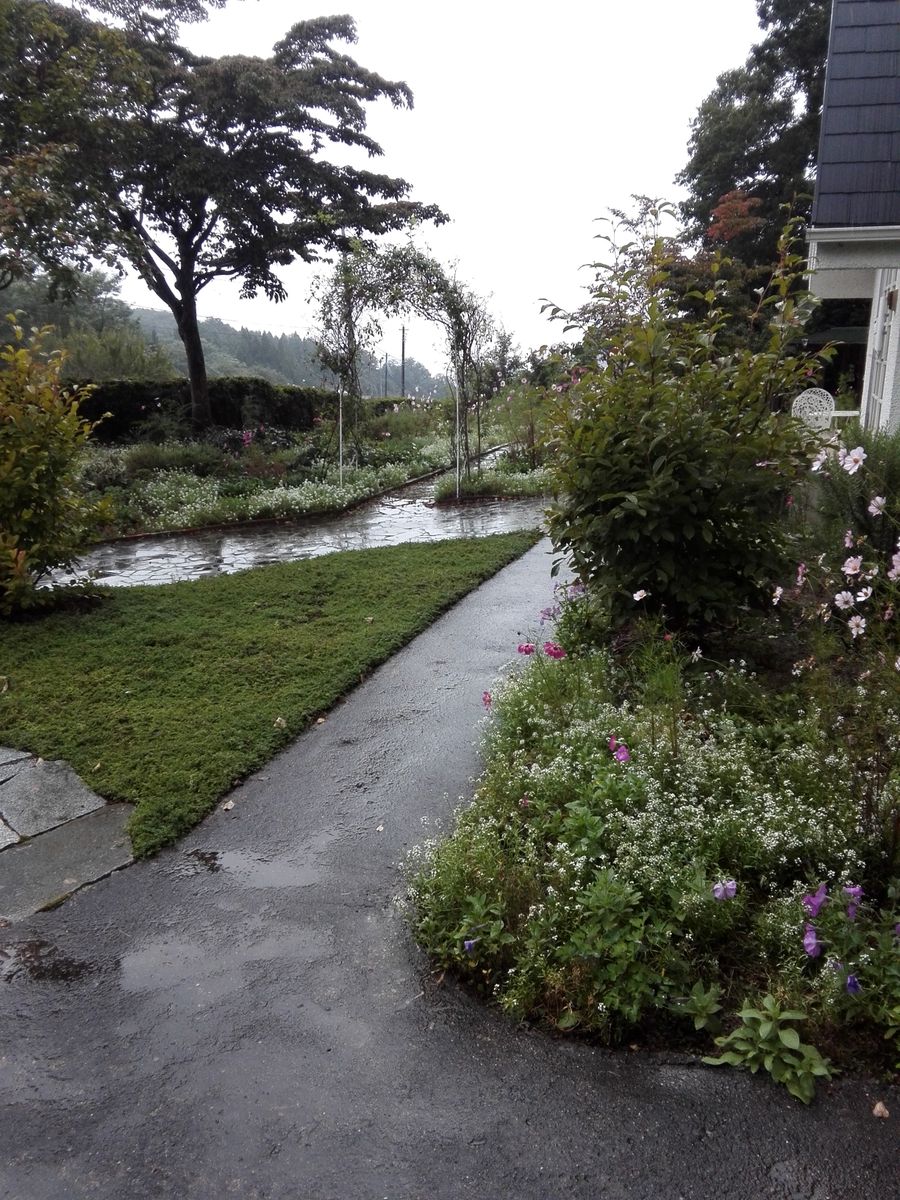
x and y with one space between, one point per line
530 121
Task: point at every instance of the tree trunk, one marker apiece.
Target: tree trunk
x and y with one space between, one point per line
189 332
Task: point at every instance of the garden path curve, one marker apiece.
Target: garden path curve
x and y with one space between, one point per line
244 1015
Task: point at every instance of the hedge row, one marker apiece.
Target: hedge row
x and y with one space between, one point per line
237 402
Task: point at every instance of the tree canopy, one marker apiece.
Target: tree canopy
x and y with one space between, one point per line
754 140
194 169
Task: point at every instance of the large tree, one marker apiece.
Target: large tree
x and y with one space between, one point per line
754 140
195 169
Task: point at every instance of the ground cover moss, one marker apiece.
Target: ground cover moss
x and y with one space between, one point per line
166 696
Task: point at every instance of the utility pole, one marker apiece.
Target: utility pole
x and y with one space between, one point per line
403 361
384 389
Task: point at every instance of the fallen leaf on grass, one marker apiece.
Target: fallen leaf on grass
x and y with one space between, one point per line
880 1110
369 620
97 766
280 723
4 684
228 806
320 721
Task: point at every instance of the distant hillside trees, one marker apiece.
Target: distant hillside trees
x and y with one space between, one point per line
101 336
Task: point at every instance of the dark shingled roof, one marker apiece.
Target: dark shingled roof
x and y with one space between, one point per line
858 179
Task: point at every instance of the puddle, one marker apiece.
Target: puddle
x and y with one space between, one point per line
42 962
256 872
407 515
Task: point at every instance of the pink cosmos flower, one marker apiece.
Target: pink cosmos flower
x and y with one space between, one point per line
641 595
853 460
863 594
526 647
857 625
819 461
876 506
848 539
852 566
487 699
801 574
844 600
554 650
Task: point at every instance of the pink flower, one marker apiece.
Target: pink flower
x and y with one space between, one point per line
863 594
526 647
876 506
848 539
777 594
487 699
857 625
801 574
819 461
641 595
554 650
613 742
844 600
852 566
725 889
853 460
620 754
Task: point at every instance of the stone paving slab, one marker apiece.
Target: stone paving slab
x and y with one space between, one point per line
12 759
50 867
8 837
41 795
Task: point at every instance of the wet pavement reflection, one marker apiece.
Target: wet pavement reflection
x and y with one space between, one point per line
407 515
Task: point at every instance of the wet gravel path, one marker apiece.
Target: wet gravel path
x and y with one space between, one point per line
245 1015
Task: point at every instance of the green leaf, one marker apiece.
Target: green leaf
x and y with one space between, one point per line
790 1038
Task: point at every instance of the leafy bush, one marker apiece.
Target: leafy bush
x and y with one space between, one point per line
43 516
672 470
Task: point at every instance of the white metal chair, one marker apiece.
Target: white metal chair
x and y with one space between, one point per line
815 407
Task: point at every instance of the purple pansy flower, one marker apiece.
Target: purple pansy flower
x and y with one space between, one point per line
469 945
725 889
811 943
854 987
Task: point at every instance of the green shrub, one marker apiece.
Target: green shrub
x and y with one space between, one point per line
43 515
672 470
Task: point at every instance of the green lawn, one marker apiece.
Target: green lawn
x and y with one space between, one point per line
167 696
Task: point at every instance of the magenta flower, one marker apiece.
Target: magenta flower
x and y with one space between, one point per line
854 987
620 754
813 903
855 895
526 647
725 889
612 743
811 943
554 650
487 699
